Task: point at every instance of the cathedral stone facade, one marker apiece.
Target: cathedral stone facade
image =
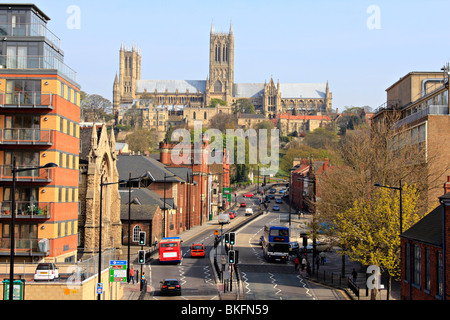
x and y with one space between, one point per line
179 98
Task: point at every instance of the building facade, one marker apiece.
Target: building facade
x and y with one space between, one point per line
39 124
269 98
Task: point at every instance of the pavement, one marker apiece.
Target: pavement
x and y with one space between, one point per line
328 273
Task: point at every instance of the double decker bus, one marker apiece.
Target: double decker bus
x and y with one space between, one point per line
275 243
170 250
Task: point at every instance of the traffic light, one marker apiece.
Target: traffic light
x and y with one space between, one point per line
232 238
141 256
141 238
231 257
227 238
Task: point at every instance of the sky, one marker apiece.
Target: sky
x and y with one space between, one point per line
359 47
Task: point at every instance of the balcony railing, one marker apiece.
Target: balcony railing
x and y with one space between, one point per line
27 209
24 136
432 109
29 30
25 246
37 175
37 62
27 99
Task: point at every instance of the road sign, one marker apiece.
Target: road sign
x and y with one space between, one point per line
118 271
99 288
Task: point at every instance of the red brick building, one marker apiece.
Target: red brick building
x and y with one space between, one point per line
425 254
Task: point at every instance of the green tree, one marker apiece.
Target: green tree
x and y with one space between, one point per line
142 140
94 107
243 105
321 138
371 228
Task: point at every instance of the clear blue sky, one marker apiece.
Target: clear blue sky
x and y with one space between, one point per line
293 41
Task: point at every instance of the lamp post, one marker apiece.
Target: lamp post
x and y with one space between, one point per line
401 202
313 181
13 215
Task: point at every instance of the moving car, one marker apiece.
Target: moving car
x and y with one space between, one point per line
232 214
261 240
198 250
276 208
248 195
248 211
279 200
224 218
293 247
46 271
273 190
271 196
243 204
170 286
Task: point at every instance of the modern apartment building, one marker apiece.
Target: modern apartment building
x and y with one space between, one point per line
420 102
39 124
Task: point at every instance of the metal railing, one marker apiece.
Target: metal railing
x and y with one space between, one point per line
27 99
430 110
26 136
37 175
27 209
36 62
29 30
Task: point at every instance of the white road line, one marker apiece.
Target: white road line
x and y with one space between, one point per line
275 286
244 276
304 286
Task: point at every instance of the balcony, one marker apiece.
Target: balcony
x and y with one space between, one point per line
27 100
38 175
430 110
24 136
24 62
27 210
25 246
30 30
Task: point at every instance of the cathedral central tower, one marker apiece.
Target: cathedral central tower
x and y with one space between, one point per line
221 65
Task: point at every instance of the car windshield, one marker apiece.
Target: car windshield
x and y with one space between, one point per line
44 266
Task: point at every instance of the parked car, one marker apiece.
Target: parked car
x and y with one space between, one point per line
243 204
198 250
276 208
320 246
248 195
46 271
170 286
279 200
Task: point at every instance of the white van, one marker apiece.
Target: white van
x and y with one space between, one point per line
224 218
248 211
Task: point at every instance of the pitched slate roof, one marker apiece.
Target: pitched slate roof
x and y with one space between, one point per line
428 230
140 165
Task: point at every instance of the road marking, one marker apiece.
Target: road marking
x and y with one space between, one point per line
247 284
304 286
275 286
181 272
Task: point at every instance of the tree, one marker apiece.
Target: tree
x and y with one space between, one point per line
216 101
94 107
371 228
223 121
142 140
243 105
321 138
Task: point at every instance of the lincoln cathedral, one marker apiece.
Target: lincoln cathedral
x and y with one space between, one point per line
160 104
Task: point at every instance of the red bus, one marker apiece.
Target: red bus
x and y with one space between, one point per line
170 250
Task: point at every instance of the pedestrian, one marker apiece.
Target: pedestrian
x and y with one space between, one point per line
354 275
131 275
322 258
303 263
296 264
317 262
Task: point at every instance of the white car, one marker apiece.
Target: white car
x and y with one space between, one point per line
224 218
46 271
248 211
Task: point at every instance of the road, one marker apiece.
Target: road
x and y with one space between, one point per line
261 280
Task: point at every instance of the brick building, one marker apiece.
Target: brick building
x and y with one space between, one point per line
425 254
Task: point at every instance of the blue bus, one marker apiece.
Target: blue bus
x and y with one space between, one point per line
276 243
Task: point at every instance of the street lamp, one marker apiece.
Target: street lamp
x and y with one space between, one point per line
313 181
13 216
401 202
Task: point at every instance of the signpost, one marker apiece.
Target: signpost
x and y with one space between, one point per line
118 271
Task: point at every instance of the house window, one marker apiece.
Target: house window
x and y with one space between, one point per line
407 262
136 231
439 274
416 270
